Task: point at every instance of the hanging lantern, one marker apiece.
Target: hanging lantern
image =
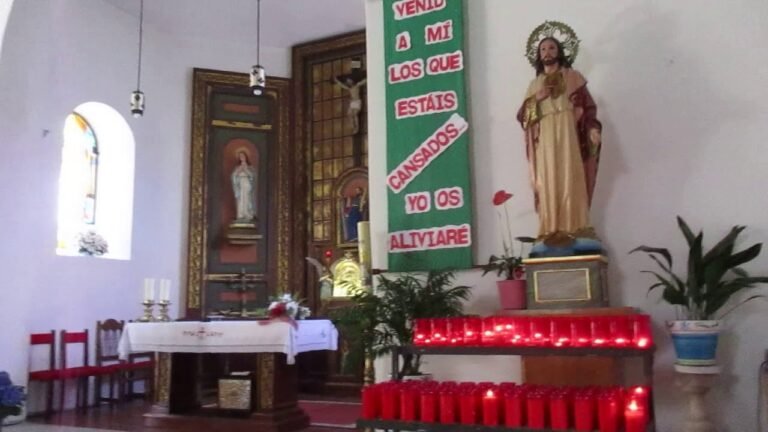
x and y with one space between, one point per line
258 78
137 103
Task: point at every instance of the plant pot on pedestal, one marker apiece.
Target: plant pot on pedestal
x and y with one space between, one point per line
512 293
695 341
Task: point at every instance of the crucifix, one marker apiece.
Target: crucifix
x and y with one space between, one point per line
353 83
242 283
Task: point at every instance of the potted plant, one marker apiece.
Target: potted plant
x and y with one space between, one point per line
701 293
11 398
385 318
509 265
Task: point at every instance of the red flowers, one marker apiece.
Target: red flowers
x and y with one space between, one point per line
277 310
501 197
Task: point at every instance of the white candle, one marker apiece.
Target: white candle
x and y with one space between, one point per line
145 296
151 290
165 290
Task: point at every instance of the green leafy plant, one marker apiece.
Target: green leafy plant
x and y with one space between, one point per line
712 278
379 321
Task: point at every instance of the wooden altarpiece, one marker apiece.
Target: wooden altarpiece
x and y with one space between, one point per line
228 120
335 158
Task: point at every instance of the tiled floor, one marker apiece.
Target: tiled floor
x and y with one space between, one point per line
123 417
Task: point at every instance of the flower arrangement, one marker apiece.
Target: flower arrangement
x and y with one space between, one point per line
92 244
286 306
509 264
11 396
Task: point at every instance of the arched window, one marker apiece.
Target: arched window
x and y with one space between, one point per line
96 184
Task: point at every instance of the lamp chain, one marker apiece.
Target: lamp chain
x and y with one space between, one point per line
141 37
258 32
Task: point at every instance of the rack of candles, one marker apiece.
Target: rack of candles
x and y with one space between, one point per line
610 331
415 405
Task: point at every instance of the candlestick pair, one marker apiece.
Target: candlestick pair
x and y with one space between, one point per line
164 290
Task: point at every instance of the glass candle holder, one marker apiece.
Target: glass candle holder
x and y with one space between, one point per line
473 327
584 411
600 331
422 329
521 332
409 398
469 406
541 330
490 408
536 411
489 331
581 331
561 331
370 401
390 402
620 334
439 331
448 406
514 414
428 408
456 331
559 410
642 333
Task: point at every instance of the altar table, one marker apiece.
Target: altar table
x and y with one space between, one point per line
274 345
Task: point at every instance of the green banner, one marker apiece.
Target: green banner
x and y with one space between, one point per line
430 205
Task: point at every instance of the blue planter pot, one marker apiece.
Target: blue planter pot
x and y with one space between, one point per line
695 341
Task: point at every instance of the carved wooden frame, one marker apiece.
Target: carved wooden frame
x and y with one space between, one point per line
303 128
280 268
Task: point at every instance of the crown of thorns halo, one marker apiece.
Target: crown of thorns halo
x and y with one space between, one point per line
558 30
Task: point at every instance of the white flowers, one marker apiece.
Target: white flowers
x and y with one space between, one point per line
285 305
91 243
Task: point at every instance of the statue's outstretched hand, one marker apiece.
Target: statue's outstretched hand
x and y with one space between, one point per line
595 136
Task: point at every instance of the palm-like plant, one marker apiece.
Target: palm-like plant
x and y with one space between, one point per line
379 321
712 277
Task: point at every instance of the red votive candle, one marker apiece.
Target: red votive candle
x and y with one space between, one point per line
428 408
584 411
600 333
643 336
635 417
439 331
422 329
541 330
581 331
513 408
561 331
370 401
521 331
620 334
608 411
473 327
490 408
559 410
448 406
469 406
536 412
489 331
409 398
390 402
456 331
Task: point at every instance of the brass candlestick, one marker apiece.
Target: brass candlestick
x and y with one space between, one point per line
163 316
147 317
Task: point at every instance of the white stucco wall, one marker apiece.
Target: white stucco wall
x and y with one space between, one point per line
681 93
57 55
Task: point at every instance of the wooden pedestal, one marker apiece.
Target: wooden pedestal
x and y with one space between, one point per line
180 405
567 282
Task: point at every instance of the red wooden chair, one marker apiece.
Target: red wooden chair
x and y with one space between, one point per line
108 334
49 375
78 373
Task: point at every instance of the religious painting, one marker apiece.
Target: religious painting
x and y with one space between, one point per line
352 206
238 246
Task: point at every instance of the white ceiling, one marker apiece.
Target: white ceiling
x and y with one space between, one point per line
284 22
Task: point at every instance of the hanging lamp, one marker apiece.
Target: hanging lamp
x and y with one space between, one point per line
258 76
137 96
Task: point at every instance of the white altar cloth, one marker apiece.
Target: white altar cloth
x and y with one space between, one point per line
229 337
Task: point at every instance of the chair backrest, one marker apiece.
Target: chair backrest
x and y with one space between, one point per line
108 334
71 338
43 339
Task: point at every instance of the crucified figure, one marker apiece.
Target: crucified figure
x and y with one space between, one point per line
353 86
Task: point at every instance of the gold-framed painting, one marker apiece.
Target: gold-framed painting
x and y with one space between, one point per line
240 211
